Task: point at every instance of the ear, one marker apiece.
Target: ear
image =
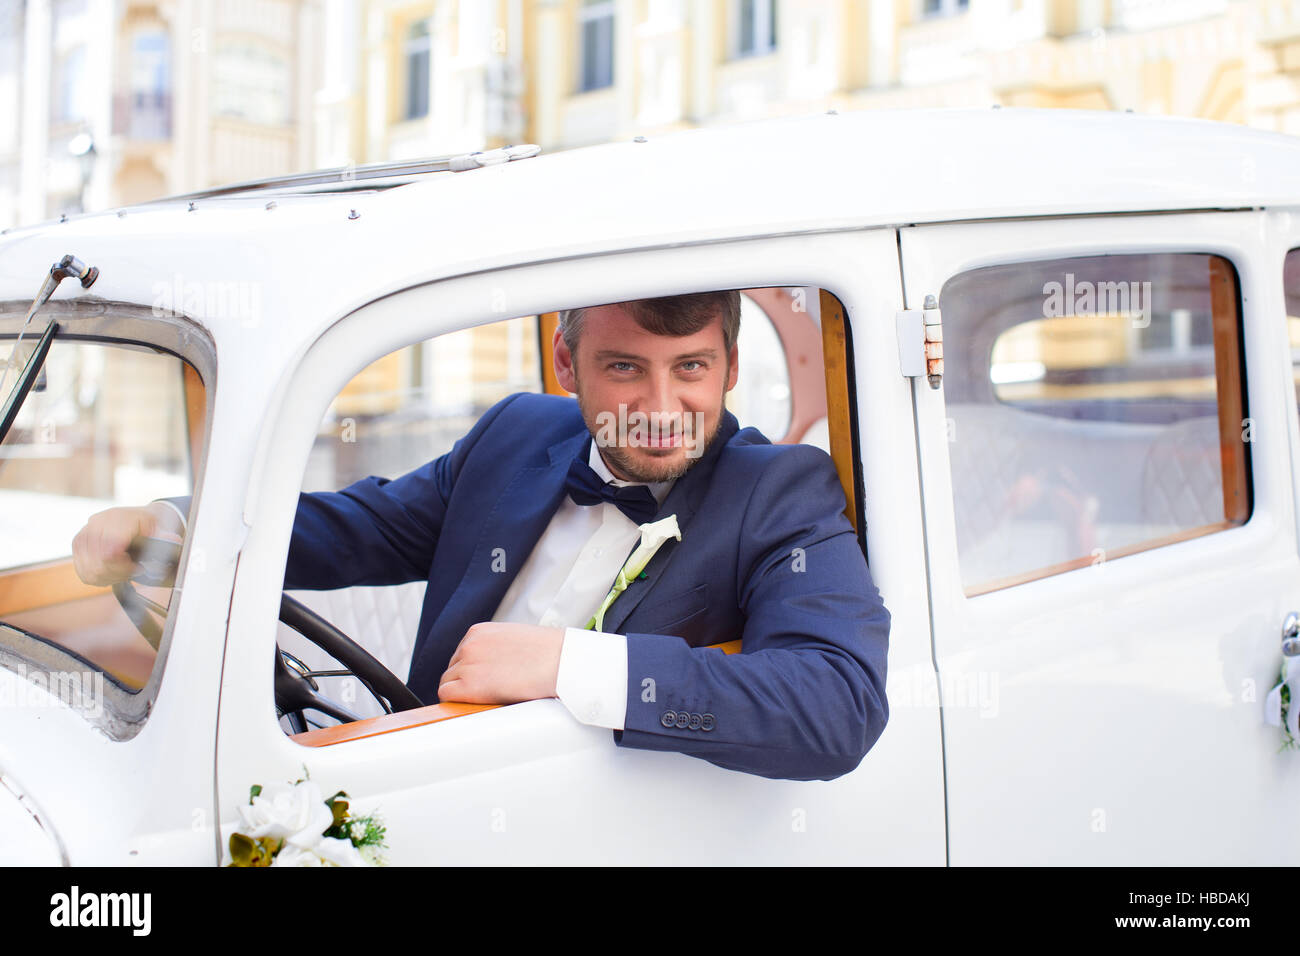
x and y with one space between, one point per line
563 360
733 359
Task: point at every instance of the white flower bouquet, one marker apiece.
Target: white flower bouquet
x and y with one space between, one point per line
292 824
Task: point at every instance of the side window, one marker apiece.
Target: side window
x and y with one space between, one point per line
412 405
107 424
1096 409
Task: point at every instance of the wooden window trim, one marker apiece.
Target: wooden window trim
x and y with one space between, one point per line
841 410
419 717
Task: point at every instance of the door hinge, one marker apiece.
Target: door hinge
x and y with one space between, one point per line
920 341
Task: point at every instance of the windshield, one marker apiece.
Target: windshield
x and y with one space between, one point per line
106 424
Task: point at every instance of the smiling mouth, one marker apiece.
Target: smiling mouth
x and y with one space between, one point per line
662 442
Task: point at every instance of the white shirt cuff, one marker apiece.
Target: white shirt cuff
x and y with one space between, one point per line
592 680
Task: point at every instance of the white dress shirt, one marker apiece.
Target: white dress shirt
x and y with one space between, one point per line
562 584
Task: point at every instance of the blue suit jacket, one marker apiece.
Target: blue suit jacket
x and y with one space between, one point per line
766 555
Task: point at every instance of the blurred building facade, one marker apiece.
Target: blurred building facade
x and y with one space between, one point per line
110 102
441 76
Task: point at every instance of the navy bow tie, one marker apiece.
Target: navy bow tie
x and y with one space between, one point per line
585 487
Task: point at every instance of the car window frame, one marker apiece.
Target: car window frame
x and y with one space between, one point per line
325 385
124 712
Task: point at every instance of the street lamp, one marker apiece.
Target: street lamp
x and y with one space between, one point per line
82 148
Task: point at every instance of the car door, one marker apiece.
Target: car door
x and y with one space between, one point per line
1110 527
527 783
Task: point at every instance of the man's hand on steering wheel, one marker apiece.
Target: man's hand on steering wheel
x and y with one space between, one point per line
100 551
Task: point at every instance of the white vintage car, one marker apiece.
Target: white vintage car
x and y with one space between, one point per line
1051 353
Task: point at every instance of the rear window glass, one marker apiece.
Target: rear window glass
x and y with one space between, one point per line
1096 409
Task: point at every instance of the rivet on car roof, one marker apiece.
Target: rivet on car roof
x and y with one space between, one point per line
354 214
192 207
121 214
638 139
271 204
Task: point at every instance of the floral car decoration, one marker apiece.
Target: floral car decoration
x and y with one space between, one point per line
291 824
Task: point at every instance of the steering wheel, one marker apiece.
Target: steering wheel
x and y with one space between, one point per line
296 689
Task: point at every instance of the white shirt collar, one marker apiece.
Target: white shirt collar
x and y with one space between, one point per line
659 489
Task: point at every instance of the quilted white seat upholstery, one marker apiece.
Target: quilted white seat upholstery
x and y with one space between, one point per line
1032 490
1182 484
383 620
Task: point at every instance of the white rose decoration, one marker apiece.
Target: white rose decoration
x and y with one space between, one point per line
295 813
339 852
296 856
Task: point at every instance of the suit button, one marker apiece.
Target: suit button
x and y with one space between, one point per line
696 721
707 721
669 718
683 719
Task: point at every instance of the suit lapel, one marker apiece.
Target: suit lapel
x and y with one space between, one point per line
514 525
683 500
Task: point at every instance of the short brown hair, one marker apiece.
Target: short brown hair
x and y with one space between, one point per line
668 315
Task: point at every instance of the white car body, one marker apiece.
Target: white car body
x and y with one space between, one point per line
1116 729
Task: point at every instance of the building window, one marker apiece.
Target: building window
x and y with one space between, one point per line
943 8
145 111
252 83
755 27
416 54
596 19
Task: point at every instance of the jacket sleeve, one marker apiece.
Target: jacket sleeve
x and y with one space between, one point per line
805 697
377 531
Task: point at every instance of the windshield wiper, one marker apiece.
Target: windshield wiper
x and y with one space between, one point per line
31 372
69 267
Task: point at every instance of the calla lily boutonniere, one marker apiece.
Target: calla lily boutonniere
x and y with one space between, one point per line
653 536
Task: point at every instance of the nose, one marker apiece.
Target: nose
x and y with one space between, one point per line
661 393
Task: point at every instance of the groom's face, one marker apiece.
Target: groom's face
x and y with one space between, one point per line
651 402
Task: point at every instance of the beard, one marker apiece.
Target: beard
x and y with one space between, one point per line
664 464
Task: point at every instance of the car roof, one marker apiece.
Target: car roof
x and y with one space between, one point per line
812 173
894 166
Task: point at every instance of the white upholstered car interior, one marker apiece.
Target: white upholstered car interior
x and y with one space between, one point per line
383 620
1031 490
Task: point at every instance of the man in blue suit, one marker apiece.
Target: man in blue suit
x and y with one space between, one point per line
521 528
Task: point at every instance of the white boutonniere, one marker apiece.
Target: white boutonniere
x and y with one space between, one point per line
653 536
